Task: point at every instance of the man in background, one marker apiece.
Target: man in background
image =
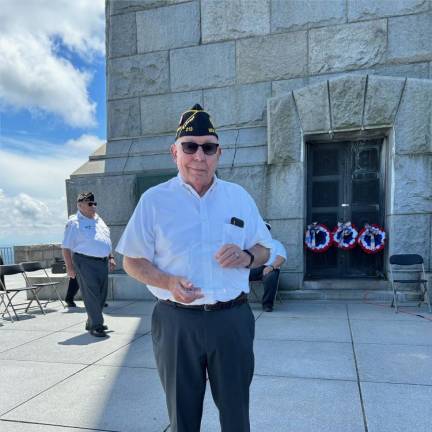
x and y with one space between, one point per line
269 273
87 254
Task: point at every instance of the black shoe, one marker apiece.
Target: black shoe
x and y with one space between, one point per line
87 327
268 308
98 332
71 304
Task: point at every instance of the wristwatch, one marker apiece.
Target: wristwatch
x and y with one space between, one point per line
252 257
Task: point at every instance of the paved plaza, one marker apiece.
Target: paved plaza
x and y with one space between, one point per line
320 366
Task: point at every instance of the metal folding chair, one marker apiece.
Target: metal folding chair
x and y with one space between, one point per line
33 266
8 294
409 264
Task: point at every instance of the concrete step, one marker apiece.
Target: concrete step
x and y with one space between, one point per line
347 284
123 287
348 294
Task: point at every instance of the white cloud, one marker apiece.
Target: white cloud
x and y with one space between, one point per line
87 143
32 73
33 192
25 219
40 168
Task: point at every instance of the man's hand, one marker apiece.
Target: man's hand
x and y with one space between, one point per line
183 291
231 256
71 272
267 270
112 264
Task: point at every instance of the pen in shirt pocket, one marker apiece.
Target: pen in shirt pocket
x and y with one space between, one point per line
237 222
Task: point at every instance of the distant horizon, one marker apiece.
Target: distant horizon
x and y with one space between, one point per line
29 244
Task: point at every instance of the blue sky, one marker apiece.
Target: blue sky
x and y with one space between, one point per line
52 110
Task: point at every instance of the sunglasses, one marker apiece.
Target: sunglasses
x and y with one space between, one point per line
91 204
192 147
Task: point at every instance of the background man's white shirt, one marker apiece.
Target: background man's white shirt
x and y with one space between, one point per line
87 236
277 249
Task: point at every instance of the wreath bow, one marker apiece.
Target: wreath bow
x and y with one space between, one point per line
345 235
372 239
317 237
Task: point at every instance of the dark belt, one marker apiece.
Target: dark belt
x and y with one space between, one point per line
92 257
242 298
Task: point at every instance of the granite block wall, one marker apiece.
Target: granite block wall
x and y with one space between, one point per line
305 63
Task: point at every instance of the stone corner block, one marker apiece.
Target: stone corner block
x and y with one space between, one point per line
122 35
138 75
346 101
284 131
313 107
382 100
123 118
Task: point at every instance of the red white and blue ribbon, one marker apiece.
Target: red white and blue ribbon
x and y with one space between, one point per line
372 238
318 238
345 236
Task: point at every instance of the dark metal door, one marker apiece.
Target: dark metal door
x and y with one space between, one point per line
345 182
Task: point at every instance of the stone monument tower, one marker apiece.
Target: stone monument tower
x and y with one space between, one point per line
324 112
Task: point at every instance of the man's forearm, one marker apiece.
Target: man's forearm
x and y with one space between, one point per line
67 255
144 271
277 263
261 255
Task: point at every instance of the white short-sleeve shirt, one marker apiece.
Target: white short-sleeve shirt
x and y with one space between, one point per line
180 232
276 250
87 236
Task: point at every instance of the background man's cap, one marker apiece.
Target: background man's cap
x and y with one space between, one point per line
195 122
268 226
85 196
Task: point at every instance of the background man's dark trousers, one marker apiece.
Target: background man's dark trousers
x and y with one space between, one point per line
73 288
270 282
2 278
92 275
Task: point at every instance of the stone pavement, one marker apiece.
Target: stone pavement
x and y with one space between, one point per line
320 366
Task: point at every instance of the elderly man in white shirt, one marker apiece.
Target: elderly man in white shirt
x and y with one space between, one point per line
269 273
192 241
87 254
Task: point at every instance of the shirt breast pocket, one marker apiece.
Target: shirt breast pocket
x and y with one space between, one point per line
234 235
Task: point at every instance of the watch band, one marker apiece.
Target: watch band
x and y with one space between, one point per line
252 257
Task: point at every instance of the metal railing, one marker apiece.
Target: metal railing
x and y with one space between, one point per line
7 254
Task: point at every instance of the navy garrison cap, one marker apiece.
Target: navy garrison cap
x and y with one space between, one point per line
195 122
85 196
